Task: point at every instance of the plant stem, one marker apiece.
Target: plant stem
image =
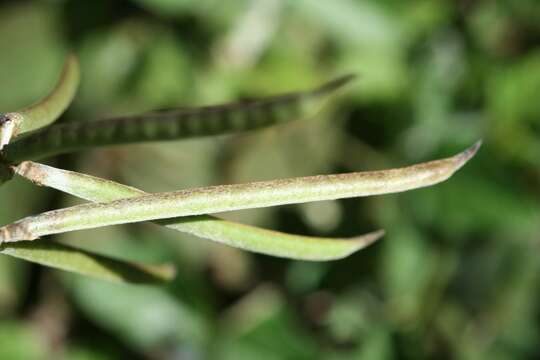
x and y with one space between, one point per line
48 109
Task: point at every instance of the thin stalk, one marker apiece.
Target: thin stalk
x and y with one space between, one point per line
173 125
46 110
241 236
235 197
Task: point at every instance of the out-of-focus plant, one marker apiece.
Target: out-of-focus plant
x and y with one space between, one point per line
29 134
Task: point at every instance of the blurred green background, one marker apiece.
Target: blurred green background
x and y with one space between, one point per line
456 277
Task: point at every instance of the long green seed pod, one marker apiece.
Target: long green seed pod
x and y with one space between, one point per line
79 261
45 111
173 125
205 226
235 197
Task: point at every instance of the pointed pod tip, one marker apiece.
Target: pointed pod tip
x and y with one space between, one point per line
469 153
367 239
335 84
345 79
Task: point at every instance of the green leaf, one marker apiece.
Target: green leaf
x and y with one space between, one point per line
19 340
67 258
261 326
238 235
216 199
173 124
144 317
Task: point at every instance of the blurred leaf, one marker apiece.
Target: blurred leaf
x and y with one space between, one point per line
304 276
13 279
260 326
144 317
377 345
352 315
404 281
19 342
358 23
80 353
36 51
515 117
204 9
492 204
165 74
50 107
109 59
506 89
15 204
178 7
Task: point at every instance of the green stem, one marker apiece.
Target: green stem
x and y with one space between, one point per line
173 125
48 109
235 197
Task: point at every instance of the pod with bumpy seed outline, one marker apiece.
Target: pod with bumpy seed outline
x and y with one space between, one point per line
174 125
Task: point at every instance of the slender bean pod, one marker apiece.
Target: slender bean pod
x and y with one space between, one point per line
205 226
235 197
173 125
68 258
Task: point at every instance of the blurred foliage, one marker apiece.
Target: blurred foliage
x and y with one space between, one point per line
457 275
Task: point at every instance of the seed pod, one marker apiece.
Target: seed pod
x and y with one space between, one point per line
173 125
